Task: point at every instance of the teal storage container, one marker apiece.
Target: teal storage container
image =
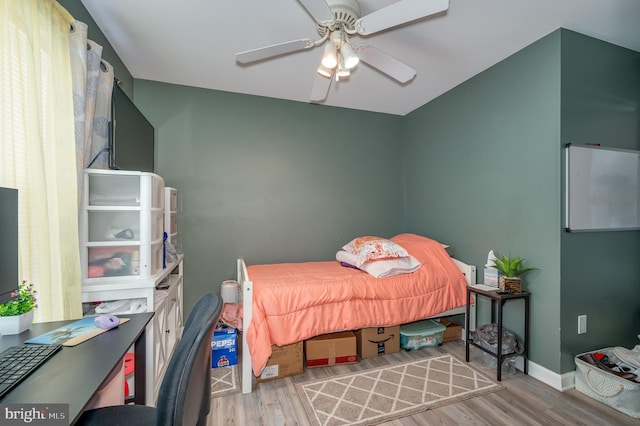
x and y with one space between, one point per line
420 334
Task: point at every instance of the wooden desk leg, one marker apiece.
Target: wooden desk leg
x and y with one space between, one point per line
140 374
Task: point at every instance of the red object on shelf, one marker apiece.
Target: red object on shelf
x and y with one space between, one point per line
129 369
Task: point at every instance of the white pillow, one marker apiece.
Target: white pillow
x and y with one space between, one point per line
370 248
346 257
382 268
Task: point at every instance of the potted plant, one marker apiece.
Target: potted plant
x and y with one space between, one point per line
510 270
16 315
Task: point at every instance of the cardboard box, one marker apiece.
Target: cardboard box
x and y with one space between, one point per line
375 341
285 361
331 349
224 347
452 332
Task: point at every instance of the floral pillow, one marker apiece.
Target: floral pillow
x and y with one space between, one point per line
374 248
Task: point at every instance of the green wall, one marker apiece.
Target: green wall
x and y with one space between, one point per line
484 167
600 270
270 180
483 173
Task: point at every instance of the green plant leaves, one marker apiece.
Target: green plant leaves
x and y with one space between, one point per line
511 267
25 301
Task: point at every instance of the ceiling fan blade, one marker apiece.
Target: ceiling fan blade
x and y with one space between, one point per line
399 13
320 88
386 64
319 10
274 50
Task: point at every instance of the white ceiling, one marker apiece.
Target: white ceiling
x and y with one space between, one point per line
194 42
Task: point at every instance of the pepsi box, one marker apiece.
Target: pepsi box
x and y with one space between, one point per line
224 347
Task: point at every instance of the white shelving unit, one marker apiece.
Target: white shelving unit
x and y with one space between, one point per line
171 215
121 230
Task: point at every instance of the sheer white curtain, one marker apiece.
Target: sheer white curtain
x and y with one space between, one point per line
38 152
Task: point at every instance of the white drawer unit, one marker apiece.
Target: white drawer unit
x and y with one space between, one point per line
171 199
123 188
171 207
121 225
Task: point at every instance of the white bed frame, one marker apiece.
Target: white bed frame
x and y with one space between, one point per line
469 271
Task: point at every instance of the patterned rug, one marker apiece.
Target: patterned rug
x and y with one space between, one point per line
224 381
381 394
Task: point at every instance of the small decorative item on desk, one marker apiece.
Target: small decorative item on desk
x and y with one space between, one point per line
511 270
16 315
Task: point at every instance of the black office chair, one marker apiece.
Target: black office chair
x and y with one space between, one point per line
185 393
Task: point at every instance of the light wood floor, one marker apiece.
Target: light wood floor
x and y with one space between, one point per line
525 401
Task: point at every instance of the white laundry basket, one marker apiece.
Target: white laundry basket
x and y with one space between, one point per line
616 392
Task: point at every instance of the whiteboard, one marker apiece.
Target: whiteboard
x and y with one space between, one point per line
602 189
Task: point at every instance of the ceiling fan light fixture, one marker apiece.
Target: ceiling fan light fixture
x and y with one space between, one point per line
349 56
343 72
324 71
330 56
336 38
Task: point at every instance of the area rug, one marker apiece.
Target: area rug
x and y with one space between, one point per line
398 390
224 381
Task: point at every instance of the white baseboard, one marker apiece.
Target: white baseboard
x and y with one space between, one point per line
560 382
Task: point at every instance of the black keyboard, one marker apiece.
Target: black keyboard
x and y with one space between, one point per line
18 362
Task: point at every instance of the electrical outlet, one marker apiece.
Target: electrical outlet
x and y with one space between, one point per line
582 324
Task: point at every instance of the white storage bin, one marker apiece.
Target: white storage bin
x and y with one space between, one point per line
157 230
113 261
106 225
143 260
118 188
113 190
171 223
124 226
608 388
171 199
171 215
156 254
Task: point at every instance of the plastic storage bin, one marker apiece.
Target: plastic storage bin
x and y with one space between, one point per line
420 334
121 225
171 199
171 215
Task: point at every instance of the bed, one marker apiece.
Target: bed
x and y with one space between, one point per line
289 302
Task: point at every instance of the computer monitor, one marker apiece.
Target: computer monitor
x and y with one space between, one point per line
9 281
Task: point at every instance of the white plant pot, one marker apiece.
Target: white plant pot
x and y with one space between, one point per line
16 324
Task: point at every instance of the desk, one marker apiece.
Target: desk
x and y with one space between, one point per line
499 300
74 374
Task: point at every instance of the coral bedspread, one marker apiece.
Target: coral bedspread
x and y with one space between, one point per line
297 301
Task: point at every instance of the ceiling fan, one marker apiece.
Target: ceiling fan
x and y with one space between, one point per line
336 22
